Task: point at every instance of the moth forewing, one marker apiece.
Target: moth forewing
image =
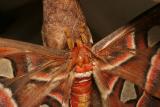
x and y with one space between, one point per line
140 25
127 54
28 47
30 63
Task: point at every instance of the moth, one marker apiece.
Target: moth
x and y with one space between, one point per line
84 75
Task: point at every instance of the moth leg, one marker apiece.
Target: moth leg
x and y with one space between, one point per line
70 40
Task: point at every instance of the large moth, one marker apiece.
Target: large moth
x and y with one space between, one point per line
83 75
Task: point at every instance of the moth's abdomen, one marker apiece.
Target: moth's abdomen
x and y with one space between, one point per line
81 92
82 87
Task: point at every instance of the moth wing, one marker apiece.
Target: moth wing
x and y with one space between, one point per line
147 100
114 47
29 63
126 54
61 94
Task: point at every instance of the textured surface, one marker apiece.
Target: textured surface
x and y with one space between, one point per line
61 19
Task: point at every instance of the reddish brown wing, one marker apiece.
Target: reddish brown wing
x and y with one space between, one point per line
127 55
26 68
27 47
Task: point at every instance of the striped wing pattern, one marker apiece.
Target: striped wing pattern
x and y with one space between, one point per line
123 55
26 74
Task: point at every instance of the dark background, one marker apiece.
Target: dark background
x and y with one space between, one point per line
22 19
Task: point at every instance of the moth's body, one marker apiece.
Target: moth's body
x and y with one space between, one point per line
82 85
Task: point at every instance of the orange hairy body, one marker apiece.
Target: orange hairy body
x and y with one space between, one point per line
82 85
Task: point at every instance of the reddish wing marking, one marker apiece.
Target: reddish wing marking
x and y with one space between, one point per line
148 101
30 89
11 48
20 52
128 37
105 83
115 55
6 97
153 77
35 92
62 92
8 51
126 52
27 47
